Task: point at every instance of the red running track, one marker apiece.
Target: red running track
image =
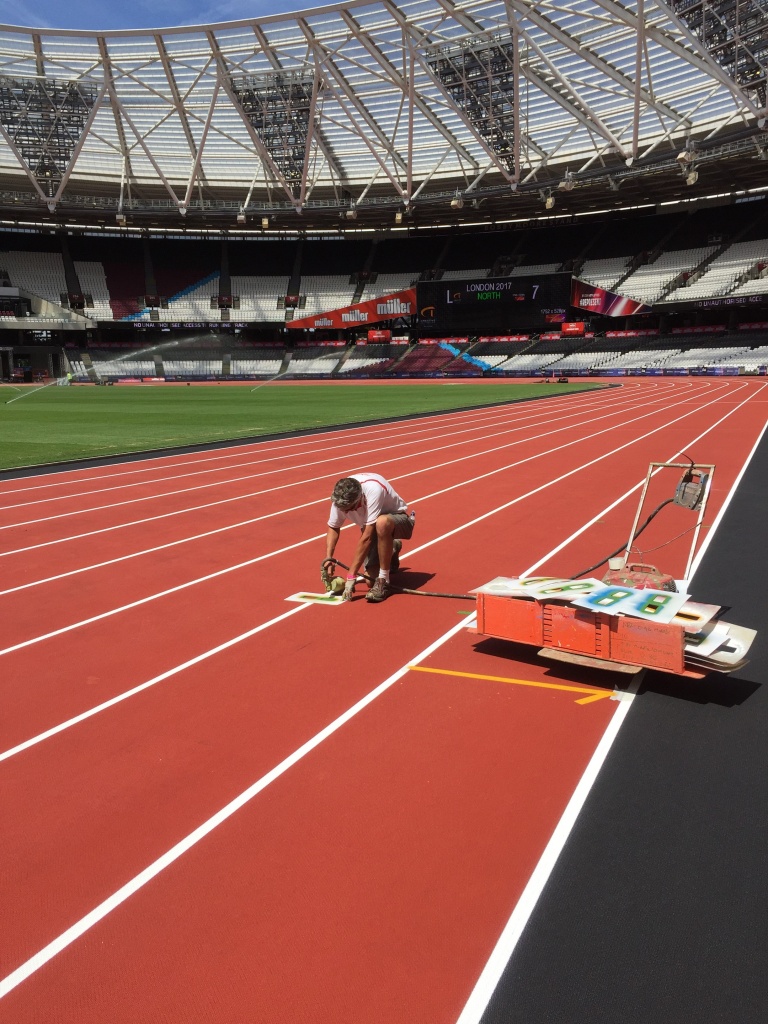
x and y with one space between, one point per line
222 807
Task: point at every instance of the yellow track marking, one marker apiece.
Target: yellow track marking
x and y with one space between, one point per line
594 694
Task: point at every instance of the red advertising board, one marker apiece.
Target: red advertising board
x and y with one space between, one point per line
708 329
573 327
632 334
555 337
379 335
385 307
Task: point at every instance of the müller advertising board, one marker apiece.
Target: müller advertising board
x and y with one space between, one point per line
385 307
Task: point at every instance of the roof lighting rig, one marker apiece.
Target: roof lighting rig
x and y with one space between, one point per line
278 106
479 76
735 32
44 121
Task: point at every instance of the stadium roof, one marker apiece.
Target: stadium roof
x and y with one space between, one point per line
364 114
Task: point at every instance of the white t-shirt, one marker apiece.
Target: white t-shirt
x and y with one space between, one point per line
379 498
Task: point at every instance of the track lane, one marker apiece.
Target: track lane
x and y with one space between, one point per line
163 564
453 557
398 434
404 831
511 421
48 530
103 661
341 817
287 447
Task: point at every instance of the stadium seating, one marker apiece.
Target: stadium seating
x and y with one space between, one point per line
648 282
93 281
423 359
386 284
722 273
41 273
365 357
314 360
324 293
457 275
604 273
662 259
262 362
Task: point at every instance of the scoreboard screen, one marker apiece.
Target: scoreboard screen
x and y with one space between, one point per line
503 305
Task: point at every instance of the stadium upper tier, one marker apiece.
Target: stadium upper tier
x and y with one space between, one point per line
669 261
375 113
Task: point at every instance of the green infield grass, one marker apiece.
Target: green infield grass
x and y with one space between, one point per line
57 424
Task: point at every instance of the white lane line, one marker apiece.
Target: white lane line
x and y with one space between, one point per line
257 494
257 460
91 919
206 505
632 490
332 457
55 730
161 463
155 597
503 951
463 483
549 483
248 522
251 494
287 445
62 726
723 508
422 426
486 984
59 944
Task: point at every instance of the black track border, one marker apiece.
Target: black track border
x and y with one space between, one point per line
657 909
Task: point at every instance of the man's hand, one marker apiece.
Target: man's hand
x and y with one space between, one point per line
326 573
349 588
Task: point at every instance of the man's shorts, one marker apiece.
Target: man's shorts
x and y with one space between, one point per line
403 525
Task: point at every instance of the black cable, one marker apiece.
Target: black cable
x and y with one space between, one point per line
586 572
401 590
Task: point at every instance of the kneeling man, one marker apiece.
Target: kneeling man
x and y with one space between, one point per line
371 502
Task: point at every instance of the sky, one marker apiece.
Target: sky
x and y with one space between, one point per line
95 14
